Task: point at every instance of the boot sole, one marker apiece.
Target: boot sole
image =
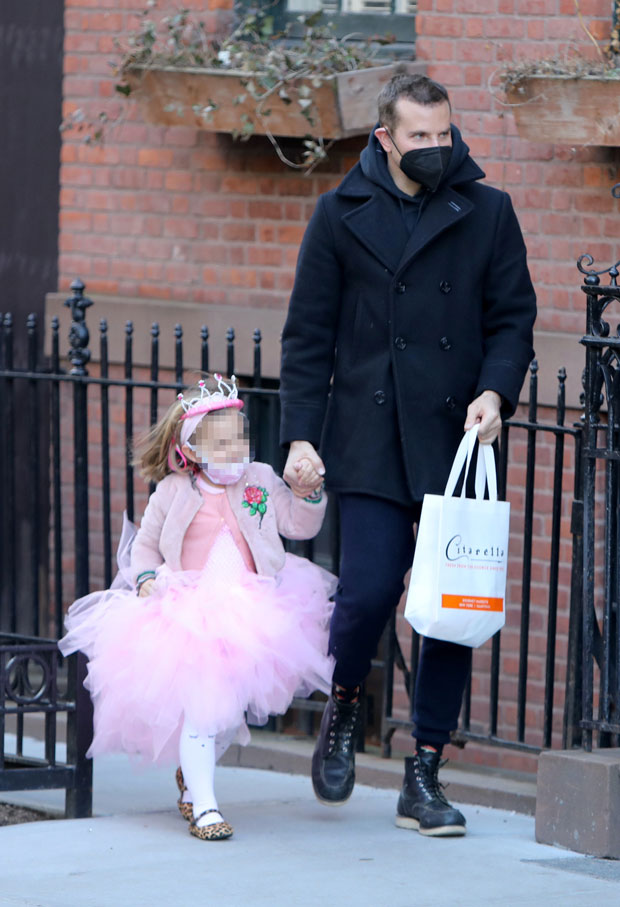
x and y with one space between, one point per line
441 831
332 802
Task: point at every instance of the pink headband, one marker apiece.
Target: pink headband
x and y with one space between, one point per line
192 419
225 397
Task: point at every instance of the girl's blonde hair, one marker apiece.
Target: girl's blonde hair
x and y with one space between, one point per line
155 453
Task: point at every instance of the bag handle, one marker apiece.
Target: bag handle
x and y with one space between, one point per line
462 458
486 473
485 467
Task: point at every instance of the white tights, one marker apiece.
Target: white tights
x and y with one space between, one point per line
197 756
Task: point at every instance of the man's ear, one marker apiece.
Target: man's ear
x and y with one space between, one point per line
384 139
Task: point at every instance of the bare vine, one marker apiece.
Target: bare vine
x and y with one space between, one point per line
287 65
573 64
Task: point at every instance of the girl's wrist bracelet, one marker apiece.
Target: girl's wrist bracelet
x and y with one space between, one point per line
315 497
143 577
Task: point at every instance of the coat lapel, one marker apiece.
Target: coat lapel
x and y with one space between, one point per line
443 210
374 225
176 524
235 494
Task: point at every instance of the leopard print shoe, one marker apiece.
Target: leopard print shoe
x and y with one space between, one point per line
219 831
185 808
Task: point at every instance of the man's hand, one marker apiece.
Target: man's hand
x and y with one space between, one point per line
485 410
304 469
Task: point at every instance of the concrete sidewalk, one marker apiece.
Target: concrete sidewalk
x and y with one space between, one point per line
287 850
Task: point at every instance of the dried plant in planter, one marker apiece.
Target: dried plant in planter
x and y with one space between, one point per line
569 100
603 64
572 67
273 70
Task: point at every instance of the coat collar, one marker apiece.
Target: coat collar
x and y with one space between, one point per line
391 246
236 497
445 208
368 223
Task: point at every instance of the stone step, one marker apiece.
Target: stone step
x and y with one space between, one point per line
481 786
478 785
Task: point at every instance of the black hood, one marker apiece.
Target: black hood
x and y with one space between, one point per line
461 169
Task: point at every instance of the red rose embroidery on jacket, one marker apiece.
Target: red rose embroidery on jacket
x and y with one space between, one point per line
255 497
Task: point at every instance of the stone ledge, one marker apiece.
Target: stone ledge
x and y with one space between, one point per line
117 310
554 349
578 801
482 787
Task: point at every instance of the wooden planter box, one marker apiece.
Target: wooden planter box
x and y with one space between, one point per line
567 110
343 105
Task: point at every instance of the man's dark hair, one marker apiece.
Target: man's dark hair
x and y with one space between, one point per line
417 88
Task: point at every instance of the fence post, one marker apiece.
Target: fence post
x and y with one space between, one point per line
79 797
601 445
578 800
571 731
79 356
78 801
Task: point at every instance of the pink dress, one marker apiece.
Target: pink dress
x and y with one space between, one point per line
211 643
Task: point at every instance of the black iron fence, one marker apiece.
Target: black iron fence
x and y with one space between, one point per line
601 527
74 433
563 508
38 691
66 476
591 660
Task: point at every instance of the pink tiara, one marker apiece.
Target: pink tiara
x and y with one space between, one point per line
224 397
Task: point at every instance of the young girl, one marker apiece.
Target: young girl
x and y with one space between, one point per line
224 623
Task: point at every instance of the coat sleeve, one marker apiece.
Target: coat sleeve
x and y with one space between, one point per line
295 518
509 311
145 553
309 335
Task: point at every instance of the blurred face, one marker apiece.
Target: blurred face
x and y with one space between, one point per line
222 438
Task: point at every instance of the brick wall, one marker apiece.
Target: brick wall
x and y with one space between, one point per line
177 214
180 215
561 193
171 212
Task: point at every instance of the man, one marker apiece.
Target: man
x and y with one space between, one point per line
412 299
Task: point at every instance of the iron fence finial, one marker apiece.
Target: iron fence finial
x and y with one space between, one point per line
78 333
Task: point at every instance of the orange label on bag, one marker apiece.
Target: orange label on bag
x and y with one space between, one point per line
472 603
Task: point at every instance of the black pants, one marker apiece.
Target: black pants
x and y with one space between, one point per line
377 551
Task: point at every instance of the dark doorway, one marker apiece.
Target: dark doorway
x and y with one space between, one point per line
31 47
31 64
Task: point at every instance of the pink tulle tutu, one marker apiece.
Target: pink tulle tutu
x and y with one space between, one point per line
209 645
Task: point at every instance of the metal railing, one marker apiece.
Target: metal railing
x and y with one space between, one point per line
68 402
512 735
72 429
64 424
35 683
601 528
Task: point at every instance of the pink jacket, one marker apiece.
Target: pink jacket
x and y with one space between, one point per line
175 502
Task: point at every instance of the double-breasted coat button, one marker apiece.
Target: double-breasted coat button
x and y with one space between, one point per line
445 344
445 286
400 343
400 288
450 402
379 398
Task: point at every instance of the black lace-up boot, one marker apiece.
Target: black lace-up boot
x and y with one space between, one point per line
422 804
333 762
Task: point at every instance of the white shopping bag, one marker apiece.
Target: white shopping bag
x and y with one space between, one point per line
458 579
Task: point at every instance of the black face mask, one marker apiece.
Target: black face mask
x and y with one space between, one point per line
425 165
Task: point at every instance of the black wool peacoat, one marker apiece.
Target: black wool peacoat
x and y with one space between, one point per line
393 331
